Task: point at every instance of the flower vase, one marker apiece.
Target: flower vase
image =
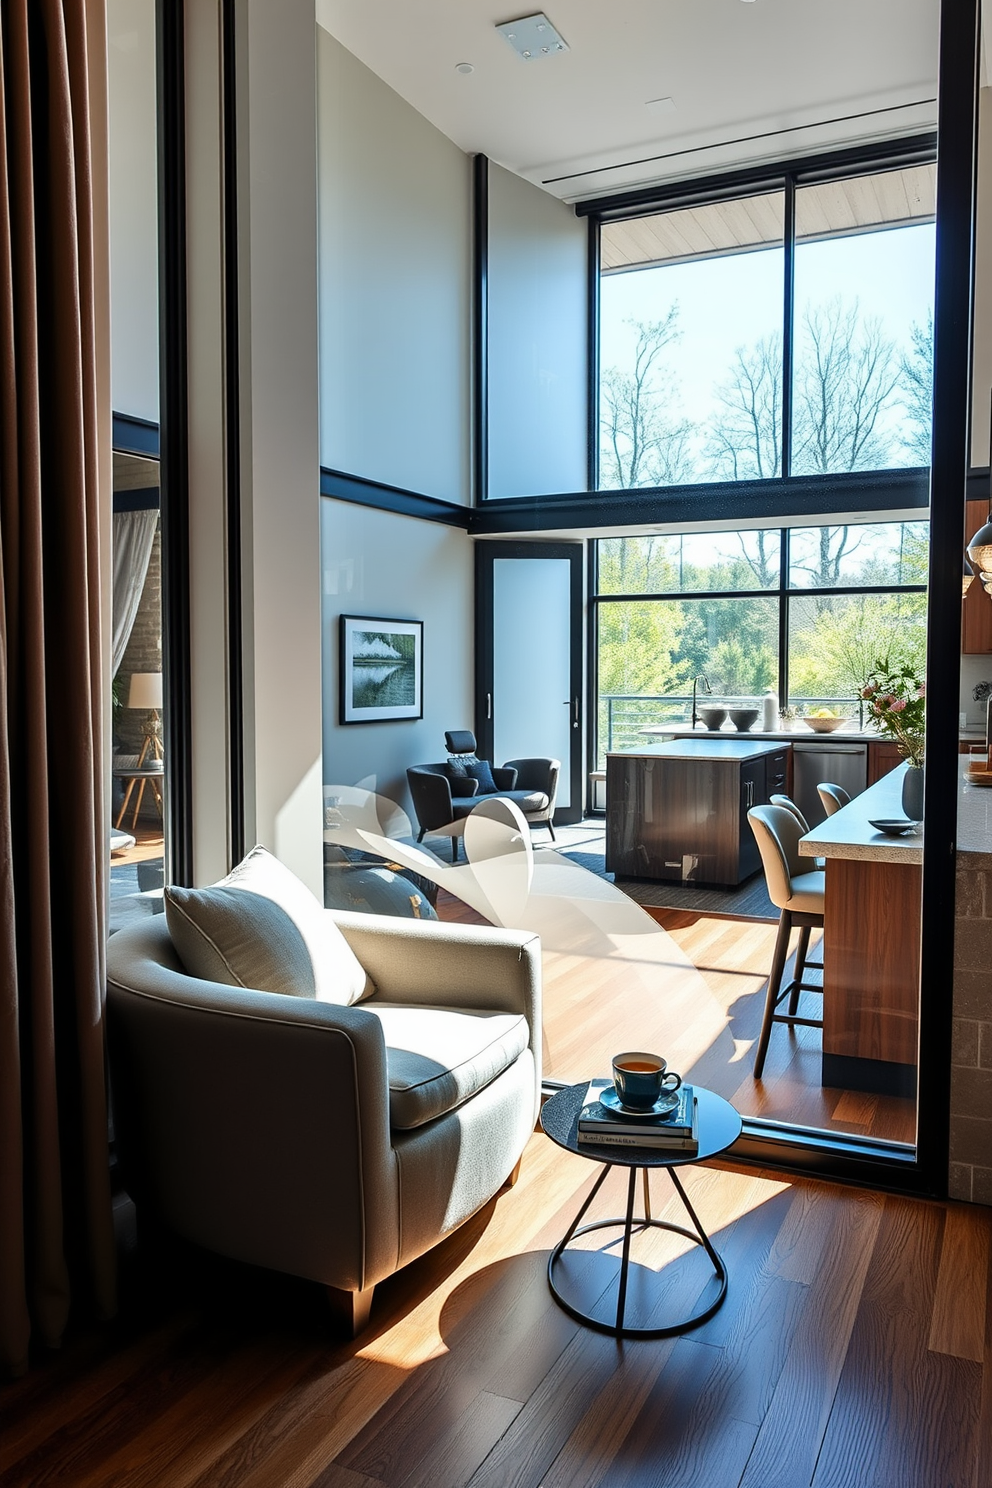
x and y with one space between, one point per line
912 793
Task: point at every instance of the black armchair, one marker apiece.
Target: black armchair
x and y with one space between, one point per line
442 796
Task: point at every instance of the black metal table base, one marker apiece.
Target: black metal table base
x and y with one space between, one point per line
617 1328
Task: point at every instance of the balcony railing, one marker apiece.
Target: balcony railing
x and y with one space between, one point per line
623 717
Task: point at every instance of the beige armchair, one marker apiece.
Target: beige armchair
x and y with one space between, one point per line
332 1142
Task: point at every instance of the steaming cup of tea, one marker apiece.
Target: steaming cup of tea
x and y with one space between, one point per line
640 1079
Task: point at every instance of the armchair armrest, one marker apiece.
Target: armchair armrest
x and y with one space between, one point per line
426 961
431 793
505 777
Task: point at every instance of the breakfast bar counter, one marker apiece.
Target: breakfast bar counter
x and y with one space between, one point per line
871 942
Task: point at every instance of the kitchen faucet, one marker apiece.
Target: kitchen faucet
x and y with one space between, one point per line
695 680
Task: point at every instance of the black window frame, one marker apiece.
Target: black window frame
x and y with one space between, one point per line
785 177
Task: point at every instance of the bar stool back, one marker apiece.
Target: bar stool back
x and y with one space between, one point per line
832 797
797 892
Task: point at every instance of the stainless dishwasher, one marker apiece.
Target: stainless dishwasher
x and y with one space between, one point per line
824 762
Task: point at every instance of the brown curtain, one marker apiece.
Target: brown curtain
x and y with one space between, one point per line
56 1234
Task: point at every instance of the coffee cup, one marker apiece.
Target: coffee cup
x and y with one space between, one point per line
640 1079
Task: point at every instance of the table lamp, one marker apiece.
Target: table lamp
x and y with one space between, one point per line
146 692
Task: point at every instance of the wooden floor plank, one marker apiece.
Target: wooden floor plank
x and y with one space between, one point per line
958 1323
565 1397
826 1246
916 1428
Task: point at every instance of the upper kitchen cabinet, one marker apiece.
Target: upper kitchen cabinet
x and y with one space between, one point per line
976 610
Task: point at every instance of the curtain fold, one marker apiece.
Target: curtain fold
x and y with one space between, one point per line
56 1232
134 537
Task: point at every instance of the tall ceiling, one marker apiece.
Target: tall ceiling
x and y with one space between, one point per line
652 90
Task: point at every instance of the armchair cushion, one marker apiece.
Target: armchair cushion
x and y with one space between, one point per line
261 927
439 1057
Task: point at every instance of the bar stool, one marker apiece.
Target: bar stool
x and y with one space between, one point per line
790 805
797 893
832 797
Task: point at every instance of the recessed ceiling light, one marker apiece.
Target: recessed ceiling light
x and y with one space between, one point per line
464 67
532 37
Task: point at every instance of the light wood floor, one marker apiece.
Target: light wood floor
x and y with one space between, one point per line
854 1350
592 1009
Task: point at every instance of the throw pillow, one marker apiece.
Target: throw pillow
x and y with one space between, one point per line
462 783
458 764
483 773
261 927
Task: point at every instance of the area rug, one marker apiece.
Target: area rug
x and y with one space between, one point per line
749 899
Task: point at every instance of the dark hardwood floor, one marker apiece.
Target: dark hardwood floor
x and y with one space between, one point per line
854 1350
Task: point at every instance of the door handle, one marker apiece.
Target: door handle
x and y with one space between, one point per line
489 705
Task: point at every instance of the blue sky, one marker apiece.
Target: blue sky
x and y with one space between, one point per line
729 302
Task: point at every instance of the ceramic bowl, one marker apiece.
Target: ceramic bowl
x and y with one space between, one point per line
824 725
713 717
743 718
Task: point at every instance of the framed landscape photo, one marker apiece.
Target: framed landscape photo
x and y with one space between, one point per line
382 669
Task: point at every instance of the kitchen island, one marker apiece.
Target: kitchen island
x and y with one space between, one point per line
678 811
871 943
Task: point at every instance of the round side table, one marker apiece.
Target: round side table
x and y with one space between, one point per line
719 1127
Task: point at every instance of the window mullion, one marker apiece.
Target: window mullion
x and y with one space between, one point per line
783 619
788 306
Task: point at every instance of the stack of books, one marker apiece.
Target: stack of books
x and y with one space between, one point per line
676 1131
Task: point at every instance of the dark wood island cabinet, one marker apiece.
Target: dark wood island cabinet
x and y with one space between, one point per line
678 811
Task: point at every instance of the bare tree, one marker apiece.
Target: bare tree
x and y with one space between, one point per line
916 369
642 443
746 443
846 375
833 545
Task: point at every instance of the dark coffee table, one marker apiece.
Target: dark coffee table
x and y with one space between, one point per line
719 1127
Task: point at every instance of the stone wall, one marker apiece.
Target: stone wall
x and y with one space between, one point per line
970 1172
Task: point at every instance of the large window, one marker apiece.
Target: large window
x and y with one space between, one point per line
805 613
783 333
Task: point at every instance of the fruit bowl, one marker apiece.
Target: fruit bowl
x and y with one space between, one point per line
743 718
713 717
823 725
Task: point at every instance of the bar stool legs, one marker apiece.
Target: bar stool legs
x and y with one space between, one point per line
776 993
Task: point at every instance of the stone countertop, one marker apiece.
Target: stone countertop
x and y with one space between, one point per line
849 833
848 733
708 745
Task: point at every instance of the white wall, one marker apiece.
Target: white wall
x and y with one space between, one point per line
133 208
400 568
280 475
395 286
538 265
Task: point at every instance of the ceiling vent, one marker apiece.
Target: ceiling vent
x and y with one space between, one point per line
532 37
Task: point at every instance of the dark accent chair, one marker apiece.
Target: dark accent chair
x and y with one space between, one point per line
440 798
435 801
